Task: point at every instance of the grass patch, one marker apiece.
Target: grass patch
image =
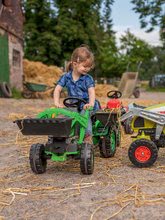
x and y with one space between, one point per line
155 89
16 94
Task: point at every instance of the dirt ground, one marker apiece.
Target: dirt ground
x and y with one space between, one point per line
117 190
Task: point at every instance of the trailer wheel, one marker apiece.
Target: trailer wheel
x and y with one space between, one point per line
108 145
27 95
38 162
6 91
136 93
87 159
143 153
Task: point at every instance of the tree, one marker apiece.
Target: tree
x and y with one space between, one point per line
54 28
135 51
109 59
77 23
152 14
41 42
157 64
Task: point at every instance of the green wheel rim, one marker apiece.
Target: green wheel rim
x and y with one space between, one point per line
113 141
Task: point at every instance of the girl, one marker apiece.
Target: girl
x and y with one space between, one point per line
78 82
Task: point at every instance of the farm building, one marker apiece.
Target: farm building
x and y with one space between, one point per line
11 44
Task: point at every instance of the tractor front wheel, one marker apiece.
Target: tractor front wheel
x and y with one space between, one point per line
37 158
87 159
143 153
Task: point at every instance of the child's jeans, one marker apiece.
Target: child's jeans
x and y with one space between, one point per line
88 131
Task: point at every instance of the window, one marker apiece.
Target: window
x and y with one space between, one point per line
16 58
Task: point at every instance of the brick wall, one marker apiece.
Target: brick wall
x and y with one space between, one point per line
15 62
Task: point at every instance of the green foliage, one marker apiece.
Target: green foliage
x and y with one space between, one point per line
41 42
156 65
136 51
77 23
54 28
152 14
155 89
109 60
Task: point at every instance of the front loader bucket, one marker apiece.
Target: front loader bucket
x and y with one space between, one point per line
58 127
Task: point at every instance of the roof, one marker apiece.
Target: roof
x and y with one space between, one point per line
11 17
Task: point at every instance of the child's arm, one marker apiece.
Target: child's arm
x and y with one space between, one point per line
56 96
91 92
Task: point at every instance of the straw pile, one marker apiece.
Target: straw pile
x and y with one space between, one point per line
103 89
37 72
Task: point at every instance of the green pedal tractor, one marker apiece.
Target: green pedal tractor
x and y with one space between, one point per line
65 128
149 125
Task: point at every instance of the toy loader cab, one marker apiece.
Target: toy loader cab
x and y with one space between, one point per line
149 125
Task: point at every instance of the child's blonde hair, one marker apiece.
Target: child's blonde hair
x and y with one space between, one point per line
81 54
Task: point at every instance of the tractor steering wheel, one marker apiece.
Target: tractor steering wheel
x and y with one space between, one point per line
73 102
114 94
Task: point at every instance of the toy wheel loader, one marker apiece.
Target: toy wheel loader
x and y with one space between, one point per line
66 127
149 124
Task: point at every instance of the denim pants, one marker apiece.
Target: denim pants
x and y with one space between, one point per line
89 127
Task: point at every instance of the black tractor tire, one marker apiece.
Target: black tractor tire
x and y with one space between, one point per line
5 89
107 145
136 93
87 159
143 153
38 162
127 126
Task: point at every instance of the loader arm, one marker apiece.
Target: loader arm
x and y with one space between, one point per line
158 118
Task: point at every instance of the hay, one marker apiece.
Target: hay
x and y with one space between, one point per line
102 89
37 72
131 195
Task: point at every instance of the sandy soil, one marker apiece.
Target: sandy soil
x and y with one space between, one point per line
116 190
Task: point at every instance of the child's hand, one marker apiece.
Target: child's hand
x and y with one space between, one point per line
87 106
58 105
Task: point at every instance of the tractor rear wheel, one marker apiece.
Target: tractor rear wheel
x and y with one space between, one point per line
87 159
118 136
38 162
108 144
143 153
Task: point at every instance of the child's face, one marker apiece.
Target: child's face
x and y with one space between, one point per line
83 67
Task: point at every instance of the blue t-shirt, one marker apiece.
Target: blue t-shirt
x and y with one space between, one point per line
78 88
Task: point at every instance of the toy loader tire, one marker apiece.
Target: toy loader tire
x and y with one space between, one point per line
143 153
108 145
37 161
127 126
87 159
